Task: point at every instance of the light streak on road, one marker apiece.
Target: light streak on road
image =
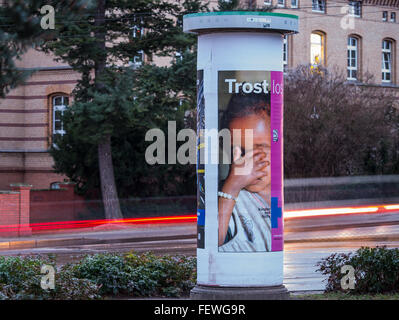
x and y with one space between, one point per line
339 211
327 212
189 218
392 207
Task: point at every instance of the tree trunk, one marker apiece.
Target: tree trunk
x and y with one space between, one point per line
107 178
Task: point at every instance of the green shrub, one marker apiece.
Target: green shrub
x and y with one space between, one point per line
97 275
112 274
173 275
20 278
376 270
137 275
68 287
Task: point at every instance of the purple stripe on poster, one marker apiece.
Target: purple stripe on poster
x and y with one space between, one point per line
276 127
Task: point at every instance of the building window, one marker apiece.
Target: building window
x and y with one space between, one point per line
294 3
55 186
355 8
317 48
319 5
137 33
178 55
281 3
285 53
138 59
384 15
59 104
393 17
352 58
386 61
267 2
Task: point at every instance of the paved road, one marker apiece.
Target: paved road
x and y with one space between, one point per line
306 242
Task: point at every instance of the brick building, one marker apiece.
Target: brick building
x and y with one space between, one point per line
357 37
28 119
354 36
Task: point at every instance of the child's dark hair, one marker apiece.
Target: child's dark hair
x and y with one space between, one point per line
242 105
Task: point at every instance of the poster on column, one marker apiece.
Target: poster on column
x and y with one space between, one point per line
250 161
200 161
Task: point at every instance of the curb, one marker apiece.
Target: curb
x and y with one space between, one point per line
394 237
43 243
30 244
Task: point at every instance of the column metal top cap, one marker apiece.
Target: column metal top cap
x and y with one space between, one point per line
255 21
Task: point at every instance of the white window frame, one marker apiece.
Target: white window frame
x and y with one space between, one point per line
267 2
294 4
61 107
138 59
319 6
387 46
285 52
352 48
384 16
178 55
281 3
353 8
134 29
392 17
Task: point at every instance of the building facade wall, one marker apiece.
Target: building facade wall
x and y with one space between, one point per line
26 122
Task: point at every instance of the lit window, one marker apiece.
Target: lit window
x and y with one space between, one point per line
281 3
352 58
387 61
384 15
60 104
285 53
355 8
316 49
393 17
319 5
294 3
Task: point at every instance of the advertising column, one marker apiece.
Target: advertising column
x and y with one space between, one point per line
240 153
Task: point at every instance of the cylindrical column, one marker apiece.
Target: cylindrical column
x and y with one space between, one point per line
240 153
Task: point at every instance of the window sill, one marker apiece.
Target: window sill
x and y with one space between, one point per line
388 84
381 85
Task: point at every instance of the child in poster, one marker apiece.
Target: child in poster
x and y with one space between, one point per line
244 199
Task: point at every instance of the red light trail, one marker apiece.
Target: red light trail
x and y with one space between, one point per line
288 214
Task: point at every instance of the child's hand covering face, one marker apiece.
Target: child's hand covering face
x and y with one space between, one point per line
253 160
248 169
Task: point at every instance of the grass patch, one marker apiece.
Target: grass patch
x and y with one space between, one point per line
345 296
